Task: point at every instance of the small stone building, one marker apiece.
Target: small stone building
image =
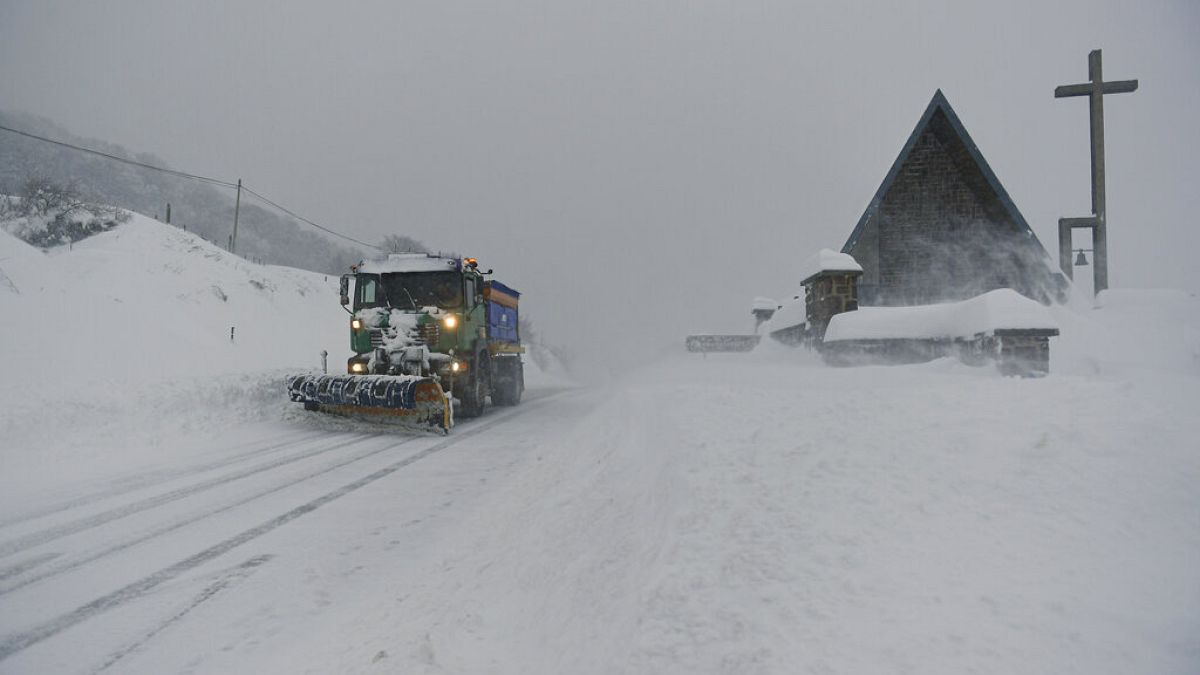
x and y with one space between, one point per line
941 228
830 288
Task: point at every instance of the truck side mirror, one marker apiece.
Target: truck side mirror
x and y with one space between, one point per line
344 289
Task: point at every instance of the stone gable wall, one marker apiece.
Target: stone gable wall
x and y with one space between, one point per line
942 234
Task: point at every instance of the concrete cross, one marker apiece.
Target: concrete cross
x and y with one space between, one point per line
1095 91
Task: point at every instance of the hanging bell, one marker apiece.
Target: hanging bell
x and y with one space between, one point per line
1081 259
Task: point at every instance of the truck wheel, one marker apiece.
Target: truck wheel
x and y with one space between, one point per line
476 388
509 382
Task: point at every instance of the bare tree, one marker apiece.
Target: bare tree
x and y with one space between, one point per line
399 243
42 196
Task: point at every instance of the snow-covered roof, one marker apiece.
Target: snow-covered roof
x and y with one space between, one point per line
827 260
984 314
793 312
763 304
409 262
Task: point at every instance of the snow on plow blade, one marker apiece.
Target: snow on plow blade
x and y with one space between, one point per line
415 401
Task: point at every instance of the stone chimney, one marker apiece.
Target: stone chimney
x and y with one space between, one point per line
830 288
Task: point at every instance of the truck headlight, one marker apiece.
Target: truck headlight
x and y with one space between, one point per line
357 368
450 321
356 324
456 366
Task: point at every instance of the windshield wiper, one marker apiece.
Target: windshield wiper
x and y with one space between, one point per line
410 297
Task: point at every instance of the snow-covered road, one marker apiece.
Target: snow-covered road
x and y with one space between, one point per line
752 514
90 580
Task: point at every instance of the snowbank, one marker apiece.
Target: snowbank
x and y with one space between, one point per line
21 265
1130 329
1002 308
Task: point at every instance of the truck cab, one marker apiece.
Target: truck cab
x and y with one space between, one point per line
437 317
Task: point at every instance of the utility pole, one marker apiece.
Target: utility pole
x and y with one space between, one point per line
1097 222
237 205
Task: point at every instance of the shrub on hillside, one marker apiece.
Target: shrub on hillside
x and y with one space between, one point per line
50 214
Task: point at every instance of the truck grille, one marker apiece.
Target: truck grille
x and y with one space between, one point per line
429 333
426 334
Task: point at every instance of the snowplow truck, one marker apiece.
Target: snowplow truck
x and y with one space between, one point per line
424 330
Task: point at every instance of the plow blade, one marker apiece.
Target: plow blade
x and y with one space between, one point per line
414 401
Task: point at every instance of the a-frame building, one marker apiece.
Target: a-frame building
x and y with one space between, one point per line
941 227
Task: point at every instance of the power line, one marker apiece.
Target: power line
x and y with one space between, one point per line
184 174
181 174
306 220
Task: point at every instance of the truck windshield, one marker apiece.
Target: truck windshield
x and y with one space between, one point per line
366 291
414 290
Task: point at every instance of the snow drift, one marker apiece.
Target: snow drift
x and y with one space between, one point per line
1002 308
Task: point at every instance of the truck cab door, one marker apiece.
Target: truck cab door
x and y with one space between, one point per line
473 302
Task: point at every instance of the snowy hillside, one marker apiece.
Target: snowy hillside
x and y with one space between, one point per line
127 335
203 208
149 298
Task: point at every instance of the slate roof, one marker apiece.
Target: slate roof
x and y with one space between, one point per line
936 104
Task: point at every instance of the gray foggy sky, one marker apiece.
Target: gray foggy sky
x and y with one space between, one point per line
638 169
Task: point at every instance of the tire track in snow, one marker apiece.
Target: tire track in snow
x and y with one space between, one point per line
26 565
59 531
151 479
13 644
76 563
224 581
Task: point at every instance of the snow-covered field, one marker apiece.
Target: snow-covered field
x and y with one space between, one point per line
163 509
